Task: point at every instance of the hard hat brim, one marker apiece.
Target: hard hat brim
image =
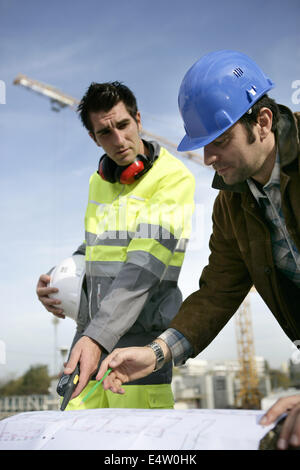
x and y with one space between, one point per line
192 144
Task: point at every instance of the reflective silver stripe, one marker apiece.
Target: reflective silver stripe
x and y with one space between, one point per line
141 258
182 245
157 232
147 261
97 203
103 268
111 238
152 264
137 197
147 231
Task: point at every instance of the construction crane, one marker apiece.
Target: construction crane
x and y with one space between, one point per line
249 395
60 100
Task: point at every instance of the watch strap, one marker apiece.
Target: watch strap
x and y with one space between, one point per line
160 357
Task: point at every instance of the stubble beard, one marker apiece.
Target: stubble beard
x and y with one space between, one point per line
239 176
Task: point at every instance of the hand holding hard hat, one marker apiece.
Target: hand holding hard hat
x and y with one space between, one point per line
43 292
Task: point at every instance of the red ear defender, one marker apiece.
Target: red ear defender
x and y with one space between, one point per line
111 172
130 174
100 170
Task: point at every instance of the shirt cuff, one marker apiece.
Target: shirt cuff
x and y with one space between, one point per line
180 347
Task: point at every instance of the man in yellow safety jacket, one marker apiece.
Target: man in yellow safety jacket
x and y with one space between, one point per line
137 225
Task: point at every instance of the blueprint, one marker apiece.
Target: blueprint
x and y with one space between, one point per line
125 429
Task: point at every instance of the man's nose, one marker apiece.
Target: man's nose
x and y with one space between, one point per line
210 157
118 137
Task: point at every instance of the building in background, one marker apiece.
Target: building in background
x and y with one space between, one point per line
213 384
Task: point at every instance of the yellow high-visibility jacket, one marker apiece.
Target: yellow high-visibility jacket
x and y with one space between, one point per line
136 238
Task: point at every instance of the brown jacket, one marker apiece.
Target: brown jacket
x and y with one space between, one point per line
241 252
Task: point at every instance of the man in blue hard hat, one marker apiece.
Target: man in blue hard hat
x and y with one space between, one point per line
253 145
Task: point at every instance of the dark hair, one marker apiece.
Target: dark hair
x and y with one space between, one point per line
248 120
102 97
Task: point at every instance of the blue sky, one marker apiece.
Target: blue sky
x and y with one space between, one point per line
47 158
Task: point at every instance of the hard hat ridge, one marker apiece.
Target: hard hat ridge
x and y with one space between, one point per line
215 93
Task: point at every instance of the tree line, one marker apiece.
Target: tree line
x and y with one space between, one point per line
35 380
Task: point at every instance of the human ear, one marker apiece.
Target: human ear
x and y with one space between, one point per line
138 120
264 121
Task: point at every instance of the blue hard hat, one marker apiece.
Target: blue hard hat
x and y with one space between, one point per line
215 92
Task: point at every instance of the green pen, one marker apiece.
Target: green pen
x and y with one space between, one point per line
95 386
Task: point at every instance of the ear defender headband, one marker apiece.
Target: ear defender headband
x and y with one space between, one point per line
111 172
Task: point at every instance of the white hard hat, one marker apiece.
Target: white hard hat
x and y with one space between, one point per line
67 277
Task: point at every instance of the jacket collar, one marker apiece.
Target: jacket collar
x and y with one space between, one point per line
288 146
153 148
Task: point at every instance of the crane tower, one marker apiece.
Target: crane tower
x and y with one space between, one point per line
249 395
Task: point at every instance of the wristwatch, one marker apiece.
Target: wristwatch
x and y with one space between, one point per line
160 357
